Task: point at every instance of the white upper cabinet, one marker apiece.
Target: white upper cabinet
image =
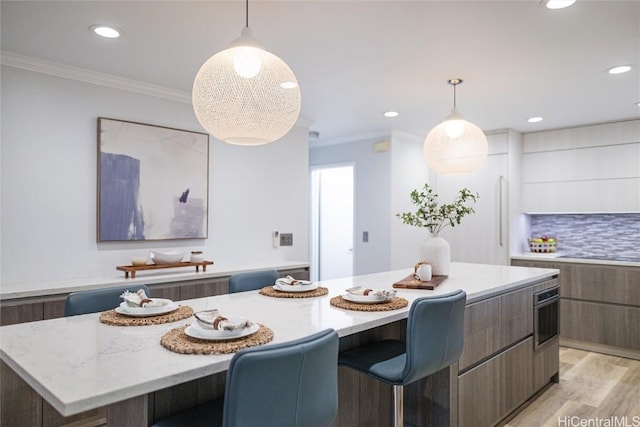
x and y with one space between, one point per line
587 169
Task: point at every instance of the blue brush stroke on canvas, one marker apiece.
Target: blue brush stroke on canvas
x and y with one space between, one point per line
184 196
120 214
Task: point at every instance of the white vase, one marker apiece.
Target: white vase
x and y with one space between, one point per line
437 252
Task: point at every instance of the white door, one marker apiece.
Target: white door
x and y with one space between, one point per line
332 222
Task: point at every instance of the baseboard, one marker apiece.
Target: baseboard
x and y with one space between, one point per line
600 348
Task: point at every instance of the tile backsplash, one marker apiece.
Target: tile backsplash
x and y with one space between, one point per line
591 234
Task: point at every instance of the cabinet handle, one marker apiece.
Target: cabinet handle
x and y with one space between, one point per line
500 182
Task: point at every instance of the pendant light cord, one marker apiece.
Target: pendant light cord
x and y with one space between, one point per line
454 83
454 96
247 14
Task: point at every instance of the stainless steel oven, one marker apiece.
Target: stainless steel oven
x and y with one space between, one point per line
546 307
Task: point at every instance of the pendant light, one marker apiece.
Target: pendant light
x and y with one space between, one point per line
245 95
455 146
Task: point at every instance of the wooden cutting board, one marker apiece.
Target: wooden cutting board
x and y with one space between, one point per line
410 282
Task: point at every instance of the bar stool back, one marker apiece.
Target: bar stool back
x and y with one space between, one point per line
252 280
93 301
435 336
291 384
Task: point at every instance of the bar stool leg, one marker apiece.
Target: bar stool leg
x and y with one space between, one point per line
398 415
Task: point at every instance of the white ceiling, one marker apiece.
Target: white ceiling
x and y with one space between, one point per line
356 59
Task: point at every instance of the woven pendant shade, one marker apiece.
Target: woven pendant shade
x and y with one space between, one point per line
250 101
455 146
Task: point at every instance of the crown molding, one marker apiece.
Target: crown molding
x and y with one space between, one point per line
368 136
57 69
304 121
92 77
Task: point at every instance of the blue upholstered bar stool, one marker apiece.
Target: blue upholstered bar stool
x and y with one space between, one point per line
252 280
93 301
291 384
435 335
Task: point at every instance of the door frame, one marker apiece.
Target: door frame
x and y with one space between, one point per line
314 248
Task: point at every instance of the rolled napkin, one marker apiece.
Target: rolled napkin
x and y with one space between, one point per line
380 293
212 319
290 281
140 299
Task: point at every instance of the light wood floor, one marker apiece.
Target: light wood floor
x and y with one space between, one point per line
592 385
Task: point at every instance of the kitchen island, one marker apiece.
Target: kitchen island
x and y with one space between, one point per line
78 363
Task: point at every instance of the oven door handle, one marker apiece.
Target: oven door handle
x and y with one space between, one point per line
546 302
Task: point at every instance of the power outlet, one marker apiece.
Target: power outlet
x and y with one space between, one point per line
286 239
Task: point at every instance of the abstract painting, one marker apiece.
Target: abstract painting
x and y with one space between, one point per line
152 182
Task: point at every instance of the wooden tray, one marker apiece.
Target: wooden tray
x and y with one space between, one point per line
135 268
410 282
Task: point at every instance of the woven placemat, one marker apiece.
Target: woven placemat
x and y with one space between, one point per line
110 317
271 292
179 342
393 304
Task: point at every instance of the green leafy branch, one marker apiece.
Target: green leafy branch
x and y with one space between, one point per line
435 217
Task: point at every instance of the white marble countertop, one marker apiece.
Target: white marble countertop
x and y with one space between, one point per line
560 257
10 291
77 363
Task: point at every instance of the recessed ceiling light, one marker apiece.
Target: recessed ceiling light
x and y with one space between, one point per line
391 114
619 69
559 4
534 119
638 103
105 31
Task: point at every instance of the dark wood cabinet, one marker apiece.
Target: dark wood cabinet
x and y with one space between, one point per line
490 391
499 368
599 305
546 362
165 290
494 324
297 273
204 288
607 324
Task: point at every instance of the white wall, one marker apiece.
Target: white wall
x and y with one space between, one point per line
49 179
372 189
409 171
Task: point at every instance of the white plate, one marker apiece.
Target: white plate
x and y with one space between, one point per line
147 311
296 288
194 330
364 299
